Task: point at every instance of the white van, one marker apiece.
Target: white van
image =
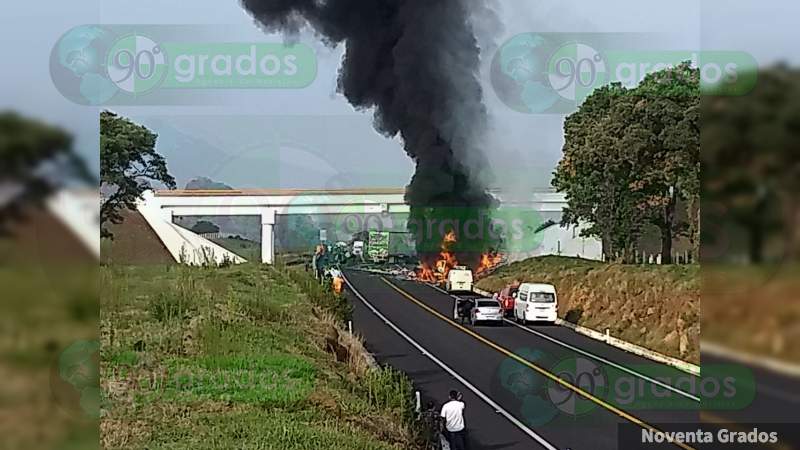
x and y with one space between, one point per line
358 248
536 302
459 278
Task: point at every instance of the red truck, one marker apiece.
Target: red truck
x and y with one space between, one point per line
506 298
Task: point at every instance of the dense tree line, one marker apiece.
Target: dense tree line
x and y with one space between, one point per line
751 170
631 159
205 227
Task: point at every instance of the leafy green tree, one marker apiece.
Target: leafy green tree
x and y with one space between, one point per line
750 163
297 233
205 227
35 159
595 176
667 114
129 164
630 157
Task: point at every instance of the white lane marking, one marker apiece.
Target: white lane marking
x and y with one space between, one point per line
593 356
452 372
784 368
605 361
777 393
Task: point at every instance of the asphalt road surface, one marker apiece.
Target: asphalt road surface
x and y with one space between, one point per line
775 404
524 387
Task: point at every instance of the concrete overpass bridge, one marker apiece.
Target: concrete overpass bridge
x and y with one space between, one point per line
270 203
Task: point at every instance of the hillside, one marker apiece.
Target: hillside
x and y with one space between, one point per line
247 249
656 307
242 357
753 309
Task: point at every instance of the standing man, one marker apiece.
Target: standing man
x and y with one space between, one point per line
453 415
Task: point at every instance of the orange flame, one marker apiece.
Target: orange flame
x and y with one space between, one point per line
489 261
446 261
437 271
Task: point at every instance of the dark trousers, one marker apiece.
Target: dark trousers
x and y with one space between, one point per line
457 439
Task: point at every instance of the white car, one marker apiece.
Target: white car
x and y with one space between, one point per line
536 302
486 310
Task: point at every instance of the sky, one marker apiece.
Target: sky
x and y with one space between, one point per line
312 137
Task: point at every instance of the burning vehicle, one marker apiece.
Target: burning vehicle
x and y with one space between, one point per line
393 66
436 268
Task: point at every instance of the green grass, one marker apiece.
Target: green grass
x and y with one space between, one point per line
270 381
236 358
45 308
260 429
247 249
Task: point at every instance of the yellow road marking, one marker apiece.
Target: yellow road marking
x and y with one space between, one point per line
535 367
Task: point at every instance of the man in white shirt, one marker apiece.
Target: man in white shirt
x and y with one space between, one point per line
453 415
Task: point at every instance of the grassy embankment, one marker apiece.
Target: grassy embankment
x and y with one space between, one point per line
247 249
753 308
44 309
241 357
656 307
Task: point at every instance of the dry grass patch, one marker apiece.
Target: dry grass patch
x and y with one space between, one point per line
755 309
653 306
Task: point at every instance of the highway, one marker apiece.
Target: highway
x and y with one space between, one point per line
524 387
776 401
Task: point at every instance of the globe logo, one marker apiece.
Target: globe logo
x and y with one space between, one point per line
582 373
75 379
136 64
575 70
92 65
527 386
78 65
540 73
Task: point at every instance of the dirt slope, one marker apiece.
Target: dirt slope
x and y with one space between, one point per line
656 307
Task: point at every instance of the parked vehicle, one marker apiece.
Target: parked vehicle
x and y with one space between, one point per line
459 279
506 298
536 302
486 310
378 246
358 249
462 309
371 245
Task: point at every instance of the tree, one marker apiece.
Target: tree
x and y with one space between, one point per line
750 163
296 232
205 227
668 112
630 156
129 164
35 159
595 176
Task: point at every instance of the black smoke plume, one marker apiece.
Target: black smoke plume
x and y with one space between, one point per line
415 63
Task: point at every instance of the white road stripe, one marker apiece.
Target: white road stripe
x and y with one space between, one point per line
773 365
452 372
605 361
593 356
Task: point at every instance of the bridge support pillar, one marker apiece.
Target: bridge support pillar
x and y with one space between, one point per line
267 237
